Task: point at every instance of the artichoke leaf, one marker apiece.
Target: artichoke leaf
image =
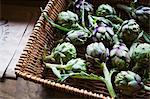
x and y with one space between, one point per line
56 72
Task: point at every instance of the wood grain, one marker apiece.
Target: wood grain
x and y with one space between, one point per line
21 89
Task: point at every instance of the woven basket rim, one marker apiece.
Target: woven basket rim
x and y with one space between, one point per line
61 86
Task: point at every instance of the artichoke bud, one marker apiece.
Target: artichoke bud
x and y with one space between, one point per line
143 16
141 56
77 37
120 57
129 31
141 51
96 52
142 12
128 82
77 64
103 34
104 10
78 7
67 19
64 52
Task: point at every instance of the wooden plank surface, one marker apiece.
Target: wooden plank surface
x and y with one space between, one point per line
15 30
22 89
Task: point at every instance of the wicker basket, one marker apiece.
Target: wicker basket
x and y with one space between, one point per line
30 65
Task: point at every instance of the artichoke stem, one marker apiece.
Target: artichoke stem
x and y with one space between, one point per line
146 88
87 76
48 65
83 28
115 38
124 7
90 20
136 67
108 81
83 20
49 57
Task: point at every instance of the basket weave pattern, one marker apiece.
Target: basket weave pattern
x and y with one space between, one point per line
30 65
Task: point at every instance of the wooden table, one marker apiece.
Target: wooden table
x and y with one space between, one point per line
22 89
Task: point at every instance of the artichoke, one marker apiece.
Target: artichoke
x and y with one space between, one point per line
105 9
140 54
77 37
120 57
129 31
79 5
141 14
103 21
95 21
103 34
73 67
97 52
77 64
128 82
83 9
62 53
67 19
102 30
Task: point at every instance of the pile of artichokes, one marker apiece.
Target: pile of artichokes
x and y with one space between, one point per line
119 48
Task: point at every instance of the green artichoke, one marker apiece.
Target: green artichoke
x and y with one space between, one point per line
97 52
77 37
120 57
73 67
95 21
141 51
128 82
109 13
105 9
77 64
129 31
62 53
67 19
140 54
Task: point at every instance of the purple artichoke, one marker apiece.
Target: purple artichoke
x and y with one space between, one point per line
79 5
120 57
103 34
